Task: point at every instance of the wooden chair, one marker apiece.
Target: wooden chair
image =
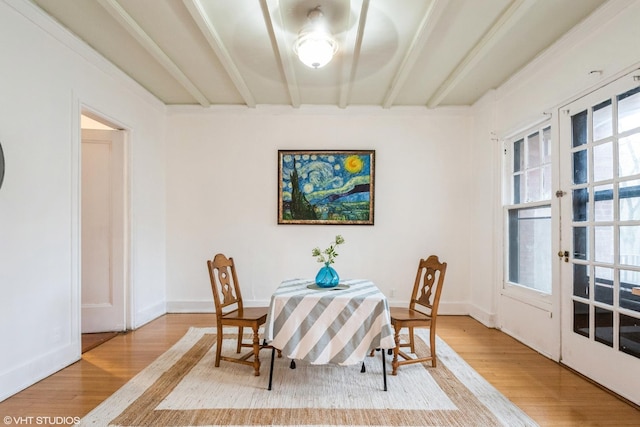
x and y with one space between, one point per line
422 311
231 312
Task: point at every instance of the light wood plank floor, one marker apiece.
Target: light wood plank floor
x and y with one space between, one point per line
549 393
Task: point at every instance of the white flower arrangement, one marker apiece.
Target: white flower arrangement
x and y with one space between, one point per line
329 255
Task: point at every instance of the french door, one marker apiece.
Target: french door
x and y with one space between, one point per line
600 235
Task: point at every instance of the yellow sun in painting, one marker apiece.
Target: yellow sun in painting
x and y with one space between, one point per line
353 164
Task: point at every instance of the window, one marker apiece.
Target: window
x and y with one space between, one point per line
528 210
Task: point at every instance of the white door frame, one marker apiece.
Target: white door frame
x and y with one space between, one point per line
126 234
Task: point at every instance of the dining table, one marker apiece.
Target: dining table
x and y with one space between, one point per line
339 325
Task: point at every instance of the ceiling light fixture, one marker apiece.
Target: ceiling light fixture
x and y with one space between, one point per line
315 45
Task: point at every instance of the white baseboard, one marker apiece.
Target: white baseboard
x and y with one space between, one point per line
205 306
190 307
446 308
452 308
38 368
528 343
148 314
486 318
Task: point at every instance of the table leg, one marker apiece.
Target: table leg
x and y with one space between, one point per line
384 370
273 351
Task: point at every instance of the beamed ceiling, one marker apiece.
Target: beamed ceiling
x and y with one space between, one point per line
391 53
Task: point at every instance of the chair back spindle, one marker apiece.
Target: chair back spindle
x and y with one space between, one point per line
428 285
224 285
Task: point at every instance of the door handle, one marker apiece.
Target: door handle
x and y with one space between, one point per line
565 255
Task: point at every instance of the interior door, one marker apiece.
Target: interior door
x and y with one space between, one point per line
103 231
600 231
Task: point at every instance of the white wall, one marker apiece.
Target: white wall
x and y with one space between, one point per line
44 85
608 41
222 197
437 187
484 244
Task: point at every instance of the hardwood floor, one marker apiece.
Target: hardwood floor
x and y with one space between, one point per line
91 341
549 393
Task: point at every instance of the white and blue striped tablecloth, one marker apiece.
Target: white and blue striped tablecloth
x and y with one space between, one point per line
328 326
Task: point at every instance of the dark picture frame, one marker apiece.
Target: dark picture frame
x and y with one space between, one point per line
326 187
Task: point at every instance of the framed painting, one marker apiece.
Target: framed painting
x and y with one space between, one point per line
326 187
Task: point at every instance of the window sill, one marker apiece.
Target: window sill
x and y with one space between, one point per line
528 296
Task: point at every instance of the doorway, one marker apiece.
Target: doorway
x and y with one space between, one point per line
600 235
103 226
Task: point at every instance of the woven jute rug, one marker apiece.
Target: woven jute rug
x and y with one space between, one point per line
183 388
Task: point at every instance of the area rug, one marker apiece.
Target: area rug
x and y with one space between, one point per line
183 388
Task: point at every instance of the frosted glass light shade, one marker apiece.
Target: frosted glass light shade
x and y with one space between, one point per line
315 45
315 50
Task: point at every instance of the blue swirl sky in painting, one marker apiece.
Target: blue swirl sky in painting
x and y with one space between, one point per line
327 178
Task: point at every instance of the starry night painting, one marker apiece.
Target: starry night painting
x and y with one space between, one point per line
325 187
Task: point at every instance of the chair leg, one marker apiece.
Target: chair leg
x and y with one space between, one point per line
394 363
239 345
256 351
218 346
411 342
432 344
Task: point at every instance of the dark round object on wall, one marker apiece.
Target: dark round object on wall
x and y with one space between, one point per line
1 165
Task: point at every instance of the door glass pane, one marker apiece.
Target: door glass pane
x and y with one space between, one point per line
629 200
630 335
603 243
530 247
603 161
580 243
603 203
629 155
604 326
579 129
628 280
581 318
580 167
603 290
628 110
602 120
580 280
630 245
580 204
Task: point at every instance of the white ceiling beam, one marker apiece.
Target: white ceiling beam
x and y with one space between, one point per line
352 43
132 27
213 38
280 46
505 22
425 29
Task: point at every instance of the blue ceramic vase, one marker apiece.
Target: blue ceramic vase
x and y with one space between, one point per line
327 277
